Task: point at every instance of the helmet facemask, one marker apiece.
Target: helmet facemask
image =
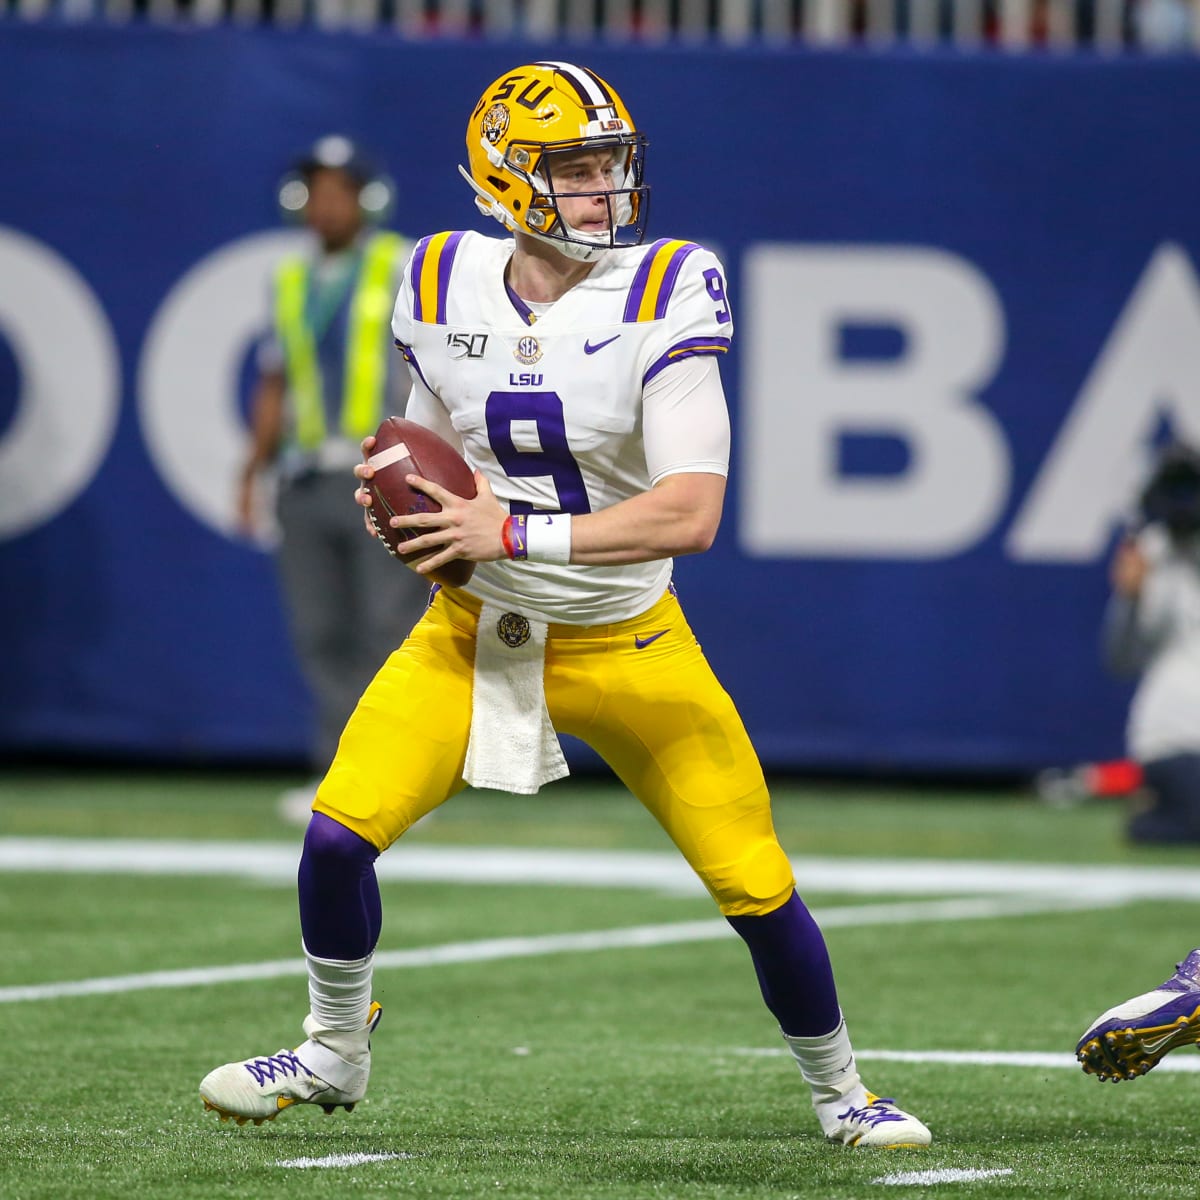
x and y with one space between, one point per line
626 201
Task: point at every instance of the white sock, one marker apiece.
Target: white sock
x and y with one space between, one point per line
339 992
828 1066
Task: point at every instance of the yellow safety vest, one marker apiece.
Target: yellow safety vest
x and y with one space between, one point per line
367 343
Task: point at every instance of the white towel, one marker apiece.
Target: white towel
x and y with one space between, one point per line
513 746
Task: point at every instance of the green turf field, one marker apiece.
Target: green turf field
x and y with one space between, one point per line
564 1069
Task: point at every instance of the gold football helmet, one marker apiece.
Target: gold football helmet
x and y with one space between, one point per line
521 121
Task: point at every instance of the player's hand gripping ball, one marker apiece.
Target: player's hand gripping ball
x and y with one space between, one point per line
405 448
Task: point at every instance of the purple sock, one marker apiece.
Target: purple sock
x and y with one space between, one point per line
793 968
340 910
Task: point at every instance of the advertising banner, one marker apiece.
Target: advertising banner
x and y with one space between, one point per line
966 308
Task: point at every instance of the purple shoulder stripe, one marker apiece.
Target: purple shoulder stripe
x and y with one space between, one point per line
669 277
414 276
445 266
638 288
689 348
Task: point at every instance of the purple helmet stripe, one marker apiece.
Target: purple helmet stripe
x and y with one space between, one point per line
669 277
638 288
445 264
587 86
688 348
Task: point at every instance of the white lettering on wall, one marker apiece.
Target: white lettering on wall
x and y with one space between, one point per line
1148 371
69 391
188 392
799 397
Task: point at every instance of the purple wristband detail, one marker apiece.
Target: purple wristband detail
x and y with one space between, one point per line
520 542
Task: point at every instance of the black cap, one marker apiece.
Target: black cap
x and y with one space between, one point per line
334 152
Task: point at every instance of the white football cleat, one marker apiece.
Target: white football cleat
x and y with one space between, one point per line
331 1069
881 1124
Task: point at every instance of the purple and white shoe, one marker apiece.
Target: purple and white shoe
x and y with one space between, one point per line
330 1069
1129 1040
878 1123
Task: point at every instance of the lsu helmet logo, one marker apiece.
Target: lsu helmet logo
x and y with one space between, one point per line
494 123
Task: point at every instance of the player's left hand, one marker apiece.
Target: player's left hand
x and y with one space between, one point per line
363 471
467 529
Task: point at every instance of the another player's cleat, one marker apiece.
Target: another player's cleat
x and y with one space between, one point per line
881 1124
1129 1040
259 1089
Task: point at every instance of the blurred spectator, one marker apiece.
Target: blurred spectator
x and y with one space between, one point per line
327 376
1162 26
1152 630
1153 25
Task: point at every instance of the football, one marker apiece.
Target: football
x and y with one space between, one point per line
405 448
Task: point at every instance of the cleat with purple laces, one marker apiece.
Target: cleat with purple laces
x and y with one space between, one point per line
881 1124
330 1069
1129 1040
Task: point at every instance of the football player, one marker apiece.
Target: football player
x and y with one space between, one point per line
576 369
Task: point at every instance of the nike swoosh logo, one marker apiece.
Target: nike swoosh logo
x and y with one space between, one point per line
588 348
1153 1046
642 642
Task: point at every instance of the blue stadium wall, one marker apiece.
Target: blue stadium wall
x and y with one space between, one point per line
966 306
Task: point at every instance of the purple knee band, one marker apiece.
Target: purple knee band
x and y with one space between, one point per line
340 909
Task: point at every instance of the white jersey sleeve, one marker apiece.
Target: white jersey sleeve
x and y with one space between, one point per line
685 421
427 410
678 294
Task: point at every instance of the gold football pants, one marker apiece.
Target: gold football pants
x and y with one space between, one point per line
649 706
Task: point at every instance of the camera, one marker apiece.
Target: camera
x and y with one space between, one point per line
1172 496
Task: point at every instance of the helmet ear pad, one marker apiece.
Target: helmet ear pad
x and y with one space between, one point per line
376 189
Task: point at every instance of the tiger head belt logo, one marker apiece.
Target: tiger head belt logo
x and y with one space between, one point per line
513 629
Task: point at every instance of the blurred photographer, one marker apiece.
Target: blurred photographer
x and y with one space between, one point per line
1152 630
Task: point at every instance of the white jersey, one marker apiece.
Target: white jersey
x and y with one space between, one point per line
549 407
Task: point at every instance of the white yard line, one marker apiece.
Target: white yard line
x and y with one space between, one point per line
275 862
495 949
941 1175
971 1058
338 1160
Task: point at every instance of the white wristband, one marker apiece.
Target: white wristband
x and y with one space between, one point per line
542 537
